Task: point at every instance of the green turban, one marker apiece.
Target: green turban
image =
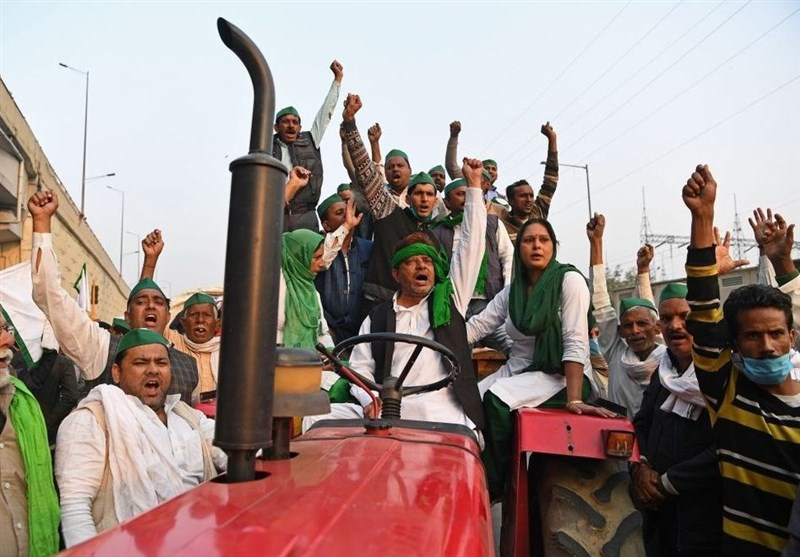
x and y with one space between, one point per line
419 178
121 324
490 162
460 183
139 337
437 168
199 298
343 187
673 290
145 284
289 110
443 287
395 153
326 203
627 304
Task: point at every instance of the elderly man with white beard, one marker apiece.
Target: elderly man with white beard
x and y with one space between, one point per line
29 511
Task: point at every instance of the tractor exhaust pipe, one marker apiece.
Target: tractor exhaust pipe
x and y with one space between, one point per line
255 223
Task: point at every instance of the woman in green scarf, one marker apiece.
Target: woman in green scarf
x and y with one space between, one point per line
545 312
300 318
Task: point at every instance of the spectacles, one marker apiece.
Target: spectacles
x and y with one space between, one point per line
8 328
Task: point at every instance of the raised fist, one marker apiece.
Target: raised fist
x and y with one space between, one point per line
455 128
338 70
351 106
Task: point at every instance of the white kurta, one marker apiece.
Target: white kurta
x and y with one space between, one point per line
505 249
441 405
81 457
511 383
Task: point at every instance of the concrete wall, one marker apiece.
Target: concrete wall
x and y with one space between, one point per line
75 243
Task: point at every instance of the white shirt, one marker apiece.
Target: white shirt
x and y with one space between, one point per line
511 383
441 405
321 121
81 459
505 250
81 340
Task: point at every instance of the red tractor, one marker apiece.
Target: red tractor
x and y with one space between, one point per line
386 486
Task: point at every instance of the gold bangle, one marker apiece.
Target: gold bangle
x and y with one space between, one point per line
575 402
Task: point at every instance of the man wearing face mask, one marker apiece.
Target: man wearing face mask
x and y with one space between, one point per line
742 360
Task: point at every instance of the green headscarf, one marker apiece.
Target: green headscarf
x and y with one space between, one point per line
302 324
442 289
43 510
536 313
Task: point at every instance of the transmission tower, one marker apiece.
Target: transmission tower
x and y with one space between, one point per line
644 230
737 229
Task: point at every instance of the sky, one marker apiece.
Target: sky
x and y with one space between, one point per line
639 91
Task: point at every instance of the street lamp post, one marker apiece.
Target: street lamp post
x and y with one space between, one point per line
138 251
121 225
85 127
585 167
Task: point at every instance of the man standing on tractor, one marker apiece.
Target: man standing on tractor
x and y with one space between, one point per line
298 148
742 357
431 303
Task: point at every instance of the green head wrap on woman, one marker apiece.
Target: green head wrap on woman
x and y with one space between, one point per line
443 288
537 312
302 325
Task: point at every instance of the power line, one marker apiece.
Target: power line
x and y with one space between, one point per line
559 76
617 61
657 77
686 142
706 76
628 80
645 65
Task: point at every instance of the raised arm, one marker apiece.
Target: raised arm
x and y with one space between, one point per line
643 259
325 114
603 310
335 240
550 182
451 154
298 179
152 246
79 337
466 263
347 162
711 342
368 178
766 274
374 134
778 241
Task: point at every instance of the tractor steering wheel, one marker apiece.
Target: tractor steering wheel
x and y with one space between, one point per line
392 388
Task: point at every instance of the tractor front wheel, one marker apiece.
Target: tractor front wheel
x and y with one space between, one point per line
585 508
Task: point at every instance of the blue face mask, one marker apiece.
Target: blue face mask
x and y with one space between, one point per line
594 347
765 371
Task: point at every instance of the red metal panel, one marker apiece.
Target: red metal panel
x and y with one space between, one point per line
552 431
413 492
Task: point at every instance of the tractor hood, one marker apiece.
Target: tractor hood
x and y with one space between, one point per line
408 492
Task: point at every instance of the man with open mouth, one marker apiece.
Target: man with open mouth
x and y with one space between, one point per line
131 446
90 347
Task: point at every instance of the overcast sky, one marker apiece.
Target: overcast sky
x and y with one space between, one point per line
641 92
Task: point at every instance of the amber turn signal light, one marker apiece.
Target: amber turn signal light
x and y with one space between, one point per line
619 444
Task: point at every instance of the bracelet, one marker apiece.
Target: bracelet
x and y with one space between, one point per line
579 401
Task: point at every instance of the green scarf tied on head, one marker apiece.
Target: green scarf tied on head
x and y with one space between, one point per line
43 510
443 289
536 313
302 324
450 221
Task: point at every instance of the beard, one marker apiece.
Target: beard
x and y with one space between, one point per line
5 370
